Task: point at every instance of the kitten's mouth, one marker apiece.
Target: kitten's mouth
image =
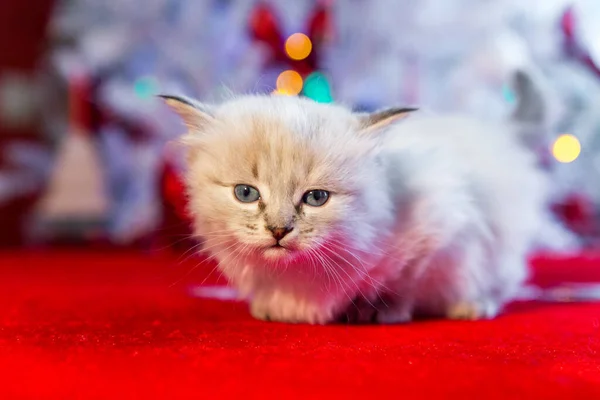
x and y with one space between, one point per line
276 250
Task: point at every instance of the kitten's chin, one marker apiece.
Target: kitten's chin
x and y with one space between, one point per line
276 253
279 255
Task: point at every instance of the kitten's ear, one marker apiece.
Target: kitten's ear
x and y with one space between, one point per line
195 115
380 119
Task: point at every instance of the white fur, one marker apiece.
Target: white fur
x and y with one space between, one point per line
436 216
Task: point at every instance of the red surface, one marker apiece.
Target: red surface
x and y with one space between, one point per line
109 325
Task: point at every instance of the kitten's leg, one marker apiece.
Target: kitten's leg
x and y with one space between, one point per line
472 310
472 292
284 305
402 298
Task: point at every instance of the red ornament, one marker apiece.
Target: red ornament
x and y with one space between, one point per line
577 212
568 25
176 227
173 191
265 28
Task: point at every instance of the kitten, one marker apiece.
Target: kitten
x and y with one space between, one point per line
315 213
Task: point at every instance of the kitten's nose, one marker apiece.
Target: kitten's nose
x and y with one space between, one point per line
280 233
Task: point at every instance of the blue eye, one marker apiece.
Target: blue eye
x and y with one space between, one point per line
315 198
246 193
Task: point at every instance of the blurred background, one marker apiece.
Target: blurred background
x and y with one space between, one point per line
86 153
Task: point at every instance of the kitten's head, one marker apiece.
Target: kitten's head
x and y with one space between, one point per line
274 179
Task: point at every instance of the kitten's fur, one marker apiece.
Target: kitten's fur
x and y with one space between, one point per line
427 215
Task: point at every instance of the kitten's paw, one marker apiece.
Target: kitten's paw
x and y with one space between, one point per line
285 308
259 310
472 311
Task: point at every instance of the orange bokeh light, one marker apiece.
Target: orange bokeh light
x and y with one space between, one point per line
289 82
298 46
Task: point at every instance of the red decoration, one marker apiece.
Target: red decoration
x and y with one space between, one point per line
265 28
577 212
176 222
568 25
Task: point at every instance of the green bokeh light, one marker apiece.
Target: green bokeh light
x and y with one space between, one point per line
317 87
508 94
146 87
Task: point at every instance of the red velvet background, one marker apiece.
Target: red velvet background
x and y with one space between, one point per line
94 324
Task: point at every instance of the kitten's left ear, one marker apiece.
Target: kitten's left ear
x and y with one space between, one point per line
380 119
195 115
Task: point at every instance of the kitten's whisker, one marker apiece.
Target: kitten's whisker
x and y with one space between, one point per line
181 259
202 262
217 264
336 271
314 257
344 247
380 285
338 279
313 266
185 237
371 279
378 249
237 253
336 254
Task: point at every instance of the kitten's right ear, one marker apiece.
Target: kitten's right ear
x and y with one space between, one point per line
195 115
371 122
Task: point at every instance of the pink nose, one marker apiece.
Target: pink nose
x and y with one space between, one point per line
280 233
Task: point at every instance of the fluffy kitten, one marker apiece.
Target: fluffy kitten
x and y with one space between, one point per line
314 212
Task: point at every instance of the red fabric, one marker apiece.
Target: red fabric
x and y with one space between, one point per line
110 325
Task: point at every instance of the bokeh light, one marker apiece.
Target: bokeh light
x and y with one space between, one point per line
298 46
317 88
566 148
508 94
146 87
289 82
280 92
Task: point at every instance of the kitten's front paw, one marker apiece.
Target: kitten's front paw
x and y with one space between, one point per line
285 308
472 311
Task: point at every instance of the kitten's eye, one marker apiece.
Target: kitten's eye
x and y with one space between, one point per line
246 193
316 198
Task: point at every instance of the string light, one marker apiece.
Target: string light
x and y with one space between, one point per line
289 83
298 46
317 88
566 148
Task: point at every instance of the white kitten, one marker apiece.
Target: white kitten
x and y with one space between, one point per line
316 213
